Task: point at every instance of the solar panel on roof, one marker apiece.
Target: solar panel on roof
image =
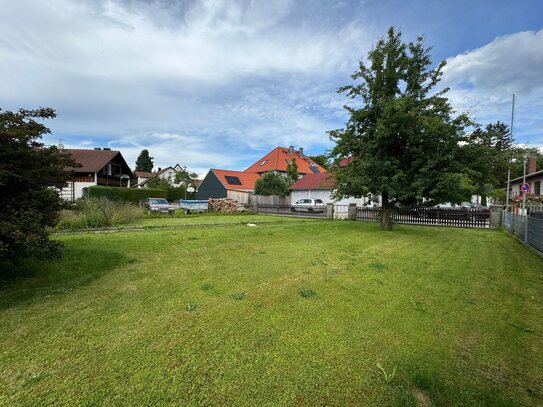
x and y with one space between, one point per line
232 180
314 169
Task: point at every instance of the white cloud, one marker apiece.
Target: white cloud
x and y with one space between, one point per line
231 74
483 81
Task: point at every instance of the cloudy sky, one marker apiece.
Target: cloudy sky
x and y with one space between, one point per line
219 83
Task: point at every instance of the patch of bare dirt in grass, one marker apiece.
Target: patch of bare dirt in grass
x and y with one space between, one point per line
422 398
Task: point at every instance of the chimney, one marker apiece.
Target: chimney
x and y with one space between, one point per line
532 163
291 150
301 151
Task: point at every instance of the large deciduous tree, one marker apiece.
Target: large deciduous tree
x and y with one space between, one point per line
144 162
30 176
401 134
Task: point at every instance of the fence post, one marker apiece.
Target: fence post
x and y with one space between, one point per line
495 220
329 211
352 211
526 222
255 207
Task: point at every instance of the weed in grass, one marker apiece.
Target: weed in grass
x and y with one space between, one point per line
191 306
378 266
59 291
418 305
307 292
239 296
192 238
387 376
207 286
521 328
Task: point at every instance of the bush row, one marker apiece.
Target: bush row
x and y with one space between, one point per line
133 195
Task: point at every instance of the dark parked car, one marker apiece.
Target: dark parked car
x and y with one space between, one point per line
158 205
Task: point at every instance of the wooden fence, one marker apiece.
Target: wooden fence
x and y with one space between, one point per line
460 217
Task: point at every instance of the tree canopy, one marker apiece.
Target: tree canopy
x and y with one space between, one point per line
401 133
322 160
487 153
144 162
272 183
292 172
30 176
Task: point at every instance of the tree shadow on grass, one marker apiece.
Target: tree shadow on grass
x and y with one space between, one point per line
425 387
79 266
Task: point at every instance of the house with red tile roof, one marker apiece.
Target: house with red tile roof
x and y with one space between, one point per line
236 185
239 185
280 157
97 167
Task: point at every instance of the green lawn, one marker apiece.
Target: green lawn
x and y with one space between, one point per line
209 219
278 314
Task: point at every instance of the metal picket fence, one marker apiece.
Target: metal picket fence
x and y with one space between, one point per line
528 229
459 217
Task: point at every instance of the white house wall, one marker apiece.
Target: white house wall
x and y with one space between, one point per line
325 195
78 188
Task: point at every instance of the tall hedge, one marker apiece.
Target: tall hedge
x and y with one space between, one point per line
125 194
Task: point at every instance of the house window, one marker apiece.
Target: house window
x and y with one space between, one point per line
232 180
263 162
537 188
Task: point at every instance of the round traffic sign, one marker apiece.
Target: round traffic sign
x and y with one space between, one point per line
525 188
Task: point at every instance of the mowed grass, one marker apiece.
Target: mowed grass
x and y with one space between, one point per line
180 219
279 315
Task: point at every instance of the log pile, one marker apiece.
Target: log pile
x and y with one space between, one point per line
225 205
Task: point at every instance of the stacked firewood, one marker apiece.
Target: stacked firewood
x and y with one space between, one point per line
225 205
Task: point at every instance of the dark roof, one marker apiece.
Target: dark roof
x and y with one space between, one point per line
143 174
528 176
239 181
314 181
94 160
277 159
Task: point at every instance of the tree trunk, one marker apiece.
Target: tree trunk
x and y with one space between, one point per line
483 200
386 213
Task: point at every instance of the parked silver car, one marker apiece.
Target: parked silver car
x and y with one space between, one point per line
158 205
308 205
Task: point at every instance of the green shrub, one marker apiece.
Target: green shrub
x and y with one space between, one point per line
134 195
98 213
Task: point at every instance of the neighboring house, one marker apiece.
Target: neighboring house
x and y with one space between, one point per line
236 185
142 176
162 173
278 159
320 186
98 167
533 177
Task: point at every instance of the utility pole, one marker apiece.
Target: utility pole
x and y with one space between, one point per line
509 163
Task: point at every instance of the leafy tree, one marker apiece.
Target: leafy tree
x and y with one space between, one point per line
30 175
144 162
272 183
184 176
292 172
487 154
322 160
403 139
